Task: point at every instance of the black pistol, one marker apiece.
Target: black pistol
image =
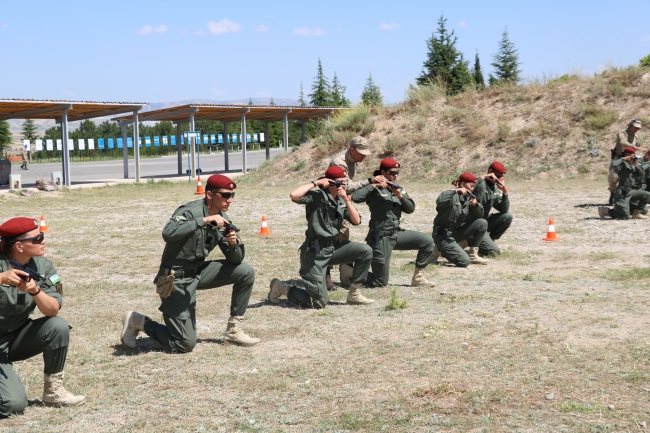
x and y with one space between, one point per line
336 183
227 226
393 185
32 273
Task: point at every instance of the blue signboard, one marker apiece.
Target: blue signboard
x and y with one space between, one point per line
129 142
198 139
165 142
206 139
139 141
156 140
220 138
234 138
173 140
213 139
120 143
111 144
248 138
255 137
182 139
147 141
100 143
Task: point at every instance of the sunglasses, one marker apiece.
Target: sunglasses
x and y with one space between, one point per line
38 239
394 173
225 195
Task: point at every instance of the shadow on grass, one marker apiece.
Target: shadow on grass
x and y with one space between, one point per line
588 205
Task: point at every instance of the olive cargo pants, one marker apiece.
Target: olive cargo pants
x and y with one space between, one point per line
179 310
637 200
401 240
313 267
447 241
47 335
498 223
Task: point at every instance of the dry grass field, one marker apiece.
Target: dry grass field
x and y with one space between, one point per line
549 337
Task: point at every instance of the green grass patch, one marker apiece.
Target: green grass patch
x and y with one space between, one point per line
576 407
394 303
632 274
603 256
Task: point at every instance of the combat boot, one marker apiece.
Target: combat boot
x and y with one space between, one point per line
278 288
235 335
356 298
602 212
346 272
638 215
419 279
328 282
611 198
435 255
474 257
54 394
132 324
463 244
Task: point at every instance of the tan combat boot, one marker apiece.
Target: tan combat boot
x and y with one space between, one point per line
54 394
637 215
435 255
474 257
419 279
235 335
463 244
356 298
329 283
132 324
346 274
278 288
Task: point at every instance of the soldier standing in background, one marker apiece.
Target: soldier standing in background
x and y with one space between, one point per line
25 159
348 160
624 139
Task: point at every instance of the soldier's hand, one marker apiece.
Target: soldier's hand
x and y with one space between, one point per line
343 194
377 180
324 182
27 286
231 237
397 192
502 187
472 202
462 191
491 176
630 158
218 220
13 277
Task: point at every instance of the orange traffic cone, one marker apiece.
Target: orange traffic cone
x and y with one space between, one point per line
551 235
264 229
43 226
199 187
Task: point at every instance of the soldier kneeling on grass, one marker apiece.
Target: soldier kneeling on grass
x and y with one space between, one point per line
628 202
191 233
327 205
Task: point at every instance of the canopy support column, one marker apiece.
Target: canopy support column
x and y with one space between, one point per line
179 149
226 141
244 142
192 142
286 132
125 151
65 158
267 140
136 145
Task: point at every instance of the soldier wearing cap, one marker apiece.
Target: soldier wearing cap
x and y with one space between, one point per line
451 232
349 160
25 159
624 139
21 337
327 205
387 201
191 233
628 201
492 193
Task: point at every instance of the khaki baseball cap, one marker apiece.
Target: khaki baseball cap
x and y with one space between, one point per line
361 145
636 123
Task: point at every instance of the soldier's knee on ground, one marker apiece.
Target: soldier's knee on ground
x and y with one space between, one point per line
184 345
12 404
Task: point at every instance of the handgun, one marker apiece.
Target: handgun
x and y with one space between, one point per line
32 273
336 183
227 226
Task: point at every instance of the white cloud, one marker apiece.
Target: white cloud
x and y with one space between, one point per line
224 26
304 31
261 28
462 24
647 38
147 30
386 26
4 25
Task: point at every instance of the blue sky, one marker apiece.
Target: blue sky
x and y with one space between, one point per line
158 51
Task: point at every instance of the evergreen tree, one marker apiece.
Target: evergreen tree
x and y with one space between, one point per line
250 101
5 137
444 62
301 98
506 62
29 130
645 61
338 93
477 73
321 91
272 103
371 95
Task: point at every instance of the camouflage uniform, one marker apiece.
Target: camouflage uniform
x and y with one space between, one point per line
623 140
626 198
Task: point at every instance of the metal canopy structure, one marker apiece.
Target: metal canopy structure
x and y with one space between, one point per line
63 112
225 114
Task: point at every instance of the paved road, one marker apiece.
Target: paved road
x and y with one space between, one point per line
166 166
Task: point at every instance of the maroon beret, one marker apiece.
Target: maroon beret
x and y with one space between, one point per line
335 172
388 163
467 177
220 181
630 150
498 168
17 226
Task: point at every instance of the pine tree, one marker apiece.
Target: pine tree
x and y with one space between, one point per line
371 95
29 130
477 73
338 93
444 62
321 91
250 101
506 62
5 137
301 97
272 103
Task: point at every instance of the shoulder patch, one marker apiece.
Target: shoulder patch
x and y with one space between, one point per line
59 288
55 279
181 218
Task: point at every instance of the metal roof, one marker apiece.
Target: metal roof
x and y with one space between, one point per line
52 109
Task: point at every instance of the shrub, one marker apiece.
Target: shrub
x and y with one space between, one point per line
426 94
597 118
503 132
616 89
583 169
391 146
531 142
394 303
645 62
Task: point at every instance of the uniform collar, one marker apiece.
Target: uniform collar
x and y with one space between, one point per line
348 157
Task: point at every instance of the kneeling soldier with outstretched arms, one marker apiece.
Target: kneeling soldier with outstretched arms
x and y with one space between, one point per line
326 208
191 234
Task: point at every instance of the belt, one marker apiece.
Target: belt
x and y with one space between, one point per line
386 232
180 273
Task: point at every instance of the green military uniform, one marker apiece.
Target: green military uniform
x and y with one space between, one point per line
623 140
325 215
189 240
490 197
626 198
449 226
385 234
22 338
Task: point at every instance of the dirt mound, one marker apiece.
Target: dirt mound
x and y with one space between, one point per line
560 127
